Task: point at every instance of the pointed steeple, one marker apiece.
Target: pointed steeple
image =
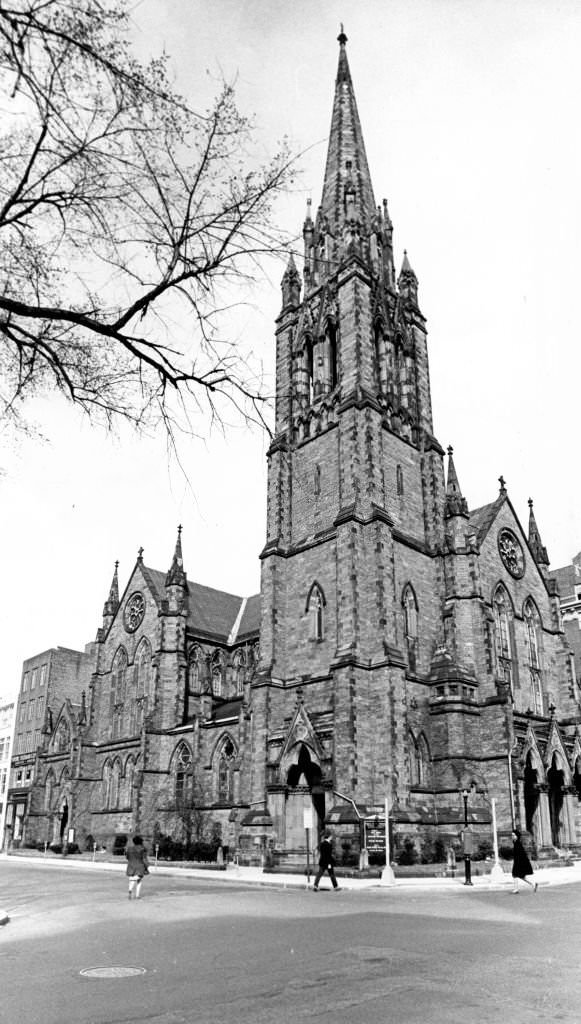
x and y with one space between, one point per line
176 576
455 504
407 280
539 552
347 189
112 603
291 284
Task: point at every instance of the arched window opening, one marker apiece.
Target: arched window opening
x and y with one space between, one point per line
49 790
399 480
315 612
183 775
415 761
117 694
217 675
115 786
310 363
106 784
239 673
317 481
503 639
194 670
410 612
533 639
226 773
333 363
128 781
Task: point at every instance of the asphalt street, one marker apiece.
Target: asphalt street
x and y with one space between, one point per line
217 951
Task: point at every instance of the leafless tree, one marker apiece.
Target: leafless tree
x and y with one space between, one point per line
126 220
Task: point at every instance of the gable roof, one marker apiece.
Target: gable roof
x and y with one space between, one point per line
212 613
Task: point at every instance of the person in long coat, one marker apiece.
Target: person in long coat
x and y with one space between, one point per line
521 865
326 862
137 865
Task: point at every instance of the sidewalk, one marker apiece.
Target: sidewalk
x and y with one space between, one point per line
255 875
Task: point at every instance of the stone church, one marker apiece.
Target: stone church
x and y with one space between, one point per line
401 647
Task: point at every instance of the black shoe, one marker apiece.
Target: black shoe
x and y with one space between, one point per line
315 888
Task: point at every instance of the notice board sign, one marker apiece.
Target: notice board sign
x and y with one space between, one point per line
375 835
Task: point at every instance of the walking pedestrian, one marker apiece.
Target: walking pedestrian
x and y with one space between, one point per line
326 862
137 865
521 865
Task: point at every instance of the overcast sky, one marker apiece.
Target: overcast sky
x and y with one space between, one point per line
470 113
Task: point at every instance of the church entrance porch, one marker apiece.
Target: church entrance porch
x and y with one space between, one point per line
302 807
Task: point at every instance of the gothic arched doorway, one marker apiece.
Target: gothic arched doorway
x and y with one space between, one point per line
531 795
304 793
556 780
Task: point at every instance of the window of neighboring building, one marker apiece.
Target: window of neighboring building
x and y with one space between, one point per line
2 781
25 682
40 706
42 675
22 712
31 708
33 678
37 734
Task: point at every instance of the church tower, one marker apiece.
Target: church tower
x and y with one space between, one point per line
355 499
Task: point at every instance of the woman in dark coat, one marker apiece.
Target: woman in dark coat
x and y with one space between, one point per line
137 865
326 862
521 865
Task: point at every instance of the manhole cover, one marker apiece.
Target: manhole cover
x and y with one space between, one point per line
112 972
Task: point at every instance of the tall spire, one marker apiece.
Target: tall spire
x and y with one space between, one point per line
455 504
347 189
539 552
176 575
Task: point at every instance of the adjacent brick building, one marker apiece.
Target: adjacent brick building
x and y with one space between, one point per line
401 645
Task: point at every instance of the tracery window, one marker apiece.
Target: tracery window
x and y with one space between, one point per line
117 693
182 770
194 670
140 701
115 787
49 790
316 613
419 760
239 673
128 782
226 772
106 784
503 616
533 638
410 613
217 674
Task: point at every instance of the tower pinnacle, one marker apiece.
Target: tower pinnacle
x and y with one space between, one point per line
539 552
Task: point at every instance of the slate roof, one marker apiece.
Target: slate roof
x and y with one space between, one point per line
213 612
481 519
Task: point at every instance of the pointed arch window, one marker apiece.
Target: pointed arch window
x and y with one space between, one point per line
182 772
140 701
106 784
194 670
128 782
117 693
316 612
49 787
239 673
532 621
332 349
217 674
410 615
115 785
226 772
503 629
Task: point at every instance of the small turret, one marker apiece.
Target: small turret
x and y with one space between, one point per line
538 551
291 285
407 281
111 605
176 576
455 503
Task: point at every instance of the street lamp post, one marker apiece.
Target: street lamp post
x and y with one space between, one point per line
467 841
